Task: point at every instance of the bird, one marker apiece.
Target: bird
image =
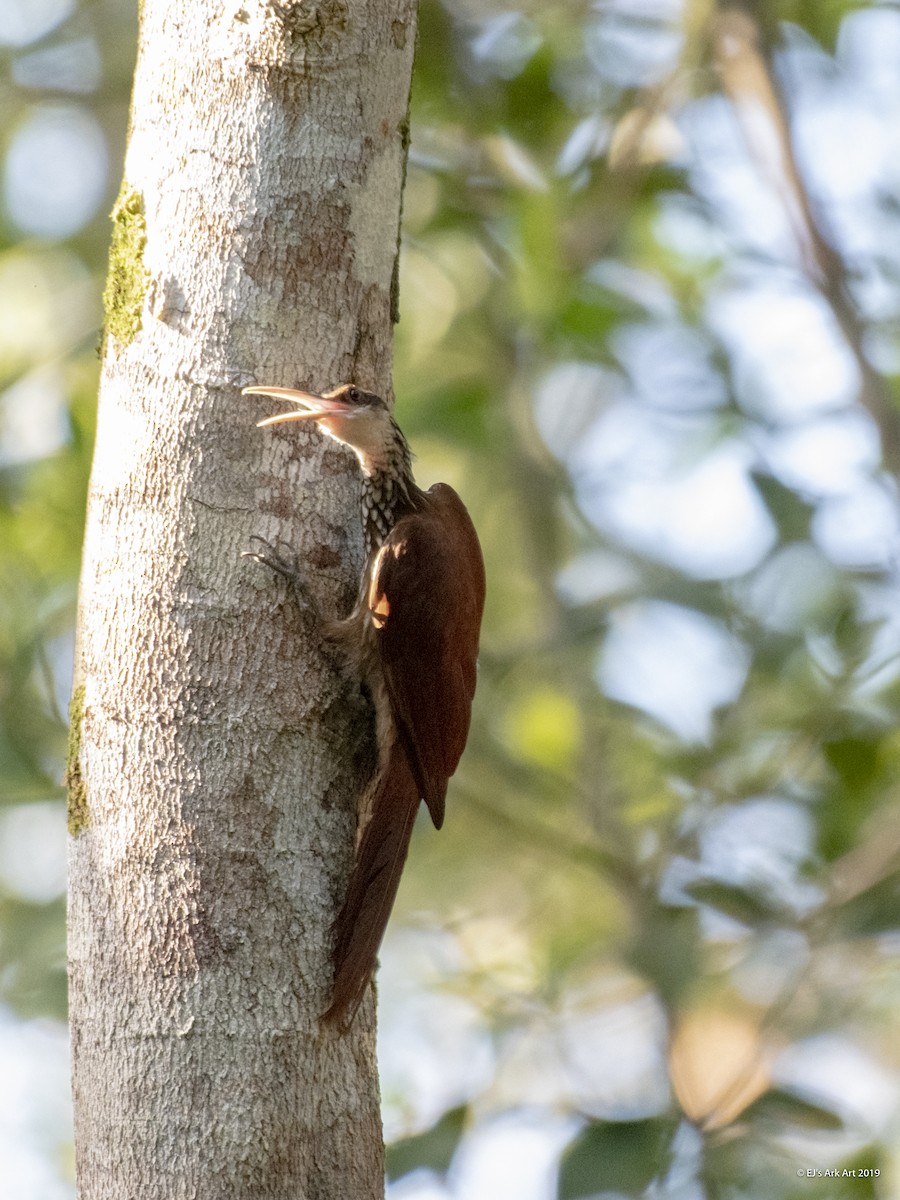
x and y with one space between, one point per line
413 637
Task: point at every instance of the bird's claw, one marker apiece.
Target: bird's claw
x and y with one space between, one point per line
269 555
288 565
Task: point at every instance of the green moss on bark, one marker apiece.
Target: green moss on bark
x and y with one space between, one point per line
79 816
126 282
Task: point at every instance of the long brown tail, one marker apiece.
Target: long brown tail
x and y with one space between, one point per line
367 906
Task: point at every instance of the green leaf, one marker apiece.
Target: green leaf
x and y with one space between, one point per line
33 956
857 760
736 902
782 1107
432 1149
874 911
858 1177
791 514
666 951
861 766
820 19
623 1156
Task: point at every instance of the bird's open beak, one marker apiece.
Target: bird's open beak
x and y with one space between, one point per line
313 407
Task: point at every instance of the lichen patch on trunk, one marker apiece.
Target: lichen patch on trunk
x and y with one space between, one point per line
126 282
79 817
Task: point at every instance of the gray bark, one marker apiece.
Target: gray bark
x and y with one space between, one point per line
218 749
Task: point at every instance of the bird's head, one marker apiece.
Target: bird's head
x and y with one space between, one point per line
359 419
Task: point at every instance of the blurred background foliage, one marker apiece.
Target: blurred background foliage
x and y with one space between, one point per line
650 284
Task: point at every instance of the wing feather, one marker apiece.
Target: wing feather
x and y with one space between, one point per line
426 600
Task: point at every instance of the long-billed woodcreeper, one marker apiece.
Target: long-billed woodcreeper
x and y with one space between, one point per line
413 638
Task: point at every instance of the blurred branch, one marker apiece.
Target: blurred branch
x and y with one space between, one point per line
528 830
743 58
866 865
646 134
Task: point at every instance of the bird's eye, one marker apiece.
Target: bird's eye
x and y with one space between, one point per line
353 395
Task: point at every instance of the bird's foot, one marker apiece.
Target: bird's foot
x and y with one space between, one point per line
269 554
281 558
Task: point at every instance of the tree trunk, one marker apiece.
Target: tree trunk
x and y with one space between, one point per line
217 748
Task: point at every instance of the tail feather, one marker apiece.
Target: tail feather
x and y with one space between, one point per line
367 906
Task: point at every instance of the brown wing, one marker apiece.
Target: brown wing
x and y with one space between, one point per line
426 599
